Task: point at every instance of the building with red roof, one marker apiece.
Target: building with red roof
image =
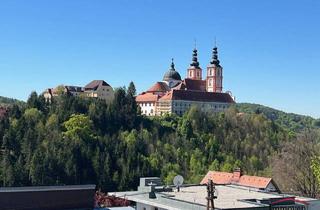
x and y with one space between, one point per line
174 95
237 178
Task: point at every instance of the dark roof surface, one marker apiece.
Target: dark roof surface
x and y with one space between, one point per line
95 84
47 197
171 74
189 95
192 84
47 188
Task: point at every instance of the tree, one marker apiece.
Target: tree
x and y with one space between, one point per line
78 127
292 166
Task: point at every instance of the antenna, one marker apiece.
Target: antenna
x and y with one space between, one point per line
215 41
210 197
178 181
195 43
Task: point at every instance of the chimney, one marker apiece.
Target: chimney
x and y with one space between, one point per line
237 173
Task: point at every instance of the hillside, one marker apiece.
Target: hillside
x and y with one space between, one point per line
4 101
291 121
74 140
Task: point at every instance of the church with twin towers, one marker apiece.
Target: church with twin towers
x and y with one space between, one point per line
175 95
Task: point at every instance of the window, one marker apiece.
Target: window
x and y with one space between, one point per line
151 111
210 72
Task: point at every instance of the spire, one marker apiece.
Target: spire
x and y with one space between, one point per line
195 62
172 65
215 59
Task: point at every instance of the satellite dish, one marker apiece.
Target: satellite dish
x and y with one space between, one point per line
178 181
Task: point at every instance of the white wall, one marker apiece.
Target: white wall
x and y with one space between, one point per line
180 106
141 206
147 108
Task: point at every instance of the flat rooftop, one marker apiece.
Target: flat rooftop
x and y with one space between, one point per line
47 188
194 197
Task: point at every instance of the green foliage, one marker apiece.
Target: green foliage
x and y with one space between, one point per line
76 140
4 101
290 121
78 126
315 166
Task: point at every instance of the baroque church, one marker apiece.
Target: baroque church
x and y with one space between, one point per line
174 95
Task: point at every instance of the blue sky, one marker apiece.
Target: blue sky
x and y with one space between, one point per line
270 50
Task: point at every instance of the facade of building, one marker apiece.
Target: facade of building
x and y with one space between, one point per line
95 89
99 89
174 95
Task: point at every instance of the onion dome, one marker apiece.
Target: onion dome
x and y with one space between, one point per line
195 62
171 74
215 59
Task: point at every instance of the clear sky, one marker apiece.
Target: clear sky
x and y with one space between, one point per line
270 50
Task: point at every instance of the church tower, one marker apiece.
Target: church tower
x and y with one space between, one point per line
194 71
214 73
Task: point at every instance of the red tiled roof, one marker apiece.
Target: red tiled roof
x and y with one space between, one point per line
230 178
189 95
147 97
93 85
159 87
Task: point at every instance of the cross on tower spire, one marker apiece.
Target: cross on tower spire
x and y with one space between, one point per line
172 64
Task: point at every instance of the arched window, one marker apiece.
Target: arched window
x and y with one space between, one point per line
218 73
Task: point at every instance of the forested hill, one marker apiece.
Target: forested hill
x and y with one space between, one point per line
75 140
4 101
290 121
